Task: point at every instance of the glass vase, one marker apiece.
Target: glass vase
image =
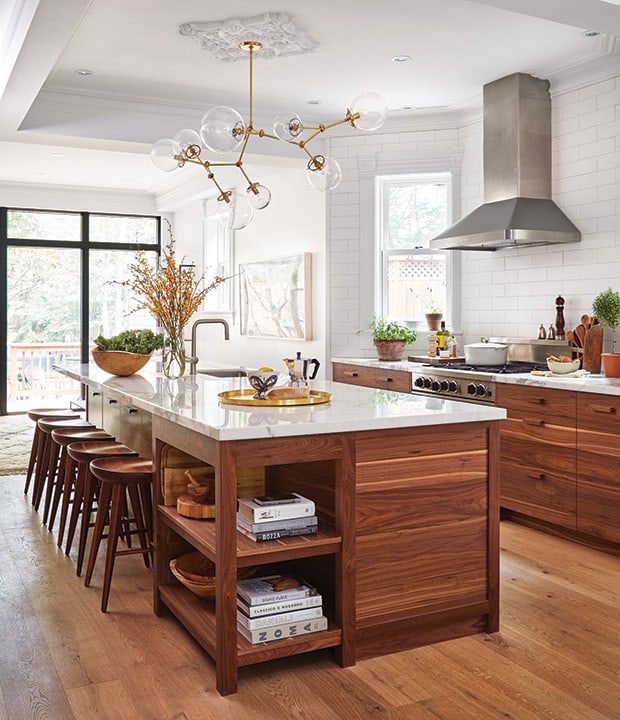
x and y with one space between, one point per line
173 355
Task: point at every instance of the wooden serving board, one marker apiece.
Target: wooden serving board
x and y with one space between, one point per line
434 359
188 507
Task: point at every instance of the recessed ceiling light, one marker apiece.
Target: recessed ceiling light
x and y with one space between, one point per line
591 33
401 58
314 102
83 71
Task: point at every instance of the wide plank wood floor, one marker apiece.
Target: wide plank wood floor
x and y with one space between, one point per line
556 657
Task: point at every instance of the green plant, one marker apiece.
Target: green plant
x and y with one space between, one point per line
141 342
606 307
390 330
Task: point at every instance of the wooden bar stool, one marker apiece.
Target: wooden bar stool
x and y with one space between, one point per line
120 478
67 469
85 490
45 475
35 415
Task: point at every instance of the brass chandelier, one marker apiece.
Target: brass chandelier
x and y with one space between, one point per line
223 130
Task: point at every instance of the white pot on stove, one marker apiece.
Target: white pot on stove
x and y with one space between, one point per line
486 354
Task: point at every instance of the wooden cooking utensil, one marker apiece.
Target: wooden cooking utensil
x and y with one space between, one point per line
580 334
570 336
586 321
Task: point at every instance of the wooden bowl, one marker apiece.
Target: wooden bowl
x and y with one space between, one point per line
204 588
200 493
117 362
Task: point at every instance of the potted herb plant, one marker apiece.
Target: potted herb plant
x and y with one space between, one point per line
606 307
390 338
127 352
434 313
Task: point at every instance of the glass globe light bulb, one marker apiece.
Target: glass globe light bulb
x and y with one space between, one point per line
259 196
222 129
187 138
163 155
287 126
237 214
326 177
372 110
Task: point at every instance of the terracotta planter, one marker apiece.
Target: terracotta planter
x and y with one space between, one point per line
389 349
434 320
611 364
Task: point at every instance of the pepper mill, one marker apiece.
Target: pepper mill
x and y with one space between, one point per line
559 317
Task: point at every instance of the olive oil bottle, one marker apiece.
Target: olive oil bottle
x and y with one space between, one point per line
441 339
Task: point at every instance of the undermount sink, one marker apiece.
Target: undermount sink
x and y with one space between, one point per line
223 372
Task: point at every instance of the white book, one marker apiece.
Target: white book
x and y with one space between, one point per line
279 619
256 513
273 588
285 606
279 632
276 524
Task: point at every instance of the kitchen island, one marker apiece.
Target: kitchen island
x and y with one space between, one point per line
406 491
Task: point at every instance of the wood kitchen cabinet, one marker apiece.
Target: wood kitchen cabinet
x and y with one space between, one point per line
538 470
598 464
398 380
122 419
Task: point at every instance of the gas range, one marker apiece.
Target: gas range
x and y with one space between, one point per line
460 381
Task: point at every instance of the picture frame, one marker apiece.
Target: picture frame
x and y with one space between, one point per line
276 297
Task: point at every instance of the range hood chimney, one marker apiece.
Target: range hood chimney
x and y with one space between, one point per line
518 210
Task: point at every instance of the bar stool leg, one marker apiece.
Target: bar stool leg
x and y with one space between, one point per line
78 495
35 452
88 503
113 532
52 477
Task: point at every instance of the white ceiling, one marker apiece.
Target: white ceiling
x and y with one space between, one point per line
148 81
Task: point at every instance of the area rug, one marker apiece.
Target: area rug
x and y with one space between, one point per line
16 433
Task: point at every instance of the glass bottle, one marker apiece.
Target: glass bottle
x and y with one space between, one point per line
441 340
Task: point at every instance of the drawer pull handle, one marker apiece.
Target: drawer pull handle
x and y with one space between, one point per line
132 411
539 476
607 409
96 394
350 373
534 421
538 401
112 402
388 379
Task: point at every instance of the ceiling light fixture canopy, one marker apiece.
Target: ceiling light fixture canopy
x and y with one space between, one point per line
223 130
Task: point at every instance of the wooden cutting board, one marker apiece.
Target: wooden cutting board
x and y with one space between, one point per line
188 507
592 348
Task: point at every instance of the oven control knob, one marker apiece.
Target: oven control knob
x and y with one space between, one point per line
481 390
471 389
453 386
419 382
435 385
427 383
444 385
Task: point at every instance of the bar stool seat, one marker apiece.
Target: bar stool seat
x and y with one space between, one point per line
120 478
67 469
36 414
86 489
45 476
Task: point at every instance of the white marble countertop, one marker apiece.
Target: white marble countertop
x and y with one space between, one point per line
193 402
579 383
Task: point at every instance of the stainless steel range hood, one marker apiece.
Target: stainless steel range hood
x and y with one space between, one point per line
518 209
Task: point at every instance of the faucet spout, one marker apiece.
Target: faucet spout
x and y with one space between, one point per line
204 321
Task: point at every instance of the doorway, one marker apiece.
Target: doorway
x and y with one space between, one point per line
61 276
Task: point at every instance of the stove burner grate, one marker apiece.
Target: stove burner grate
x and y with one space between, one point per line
510 368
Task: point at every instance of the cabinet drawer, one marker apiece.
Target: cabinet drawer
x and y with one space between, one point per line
539 443
600 413
557 406
399 380
598 506
539 492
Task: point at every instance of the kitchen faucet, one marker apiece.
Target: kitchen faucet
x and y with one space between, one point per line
193 360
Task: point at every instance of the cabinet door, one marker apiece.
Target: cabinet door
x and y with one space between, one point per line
598 462
94 407
136 428
111 415
398 380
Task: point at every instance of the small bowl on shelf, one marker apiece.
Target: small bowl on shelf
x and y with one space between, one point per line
564 366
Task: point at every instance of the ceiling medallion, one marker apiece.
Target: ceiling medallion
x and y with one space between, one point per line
278 33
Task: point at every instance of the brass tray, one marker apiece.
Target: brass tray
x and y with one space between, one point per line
246 397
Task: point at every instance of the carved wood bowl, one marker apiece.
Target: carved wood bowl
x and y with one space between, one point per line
117 362
200 493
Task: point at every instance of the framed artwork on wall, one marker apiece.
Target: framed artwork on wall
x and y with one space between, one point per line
275 297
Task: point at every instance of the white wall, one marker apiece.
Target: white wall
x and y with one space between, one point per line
509 292
293 222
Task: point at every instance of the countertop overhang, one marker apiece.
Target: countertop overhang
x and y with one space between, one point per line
193 402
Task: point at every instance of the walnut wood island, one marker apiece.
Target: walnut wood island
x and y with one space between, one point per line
406 490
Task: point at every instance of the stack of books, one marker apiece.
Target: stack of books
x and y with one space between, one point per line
276 516
275 607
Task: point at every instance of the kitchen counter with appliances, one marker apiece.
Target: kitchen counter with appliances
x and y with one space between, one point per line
406 493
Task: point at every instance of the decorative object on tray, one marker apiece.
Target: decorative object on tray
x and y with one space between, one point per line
172 294
246 397
126 353
262 380
299 370
390 338
606 307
